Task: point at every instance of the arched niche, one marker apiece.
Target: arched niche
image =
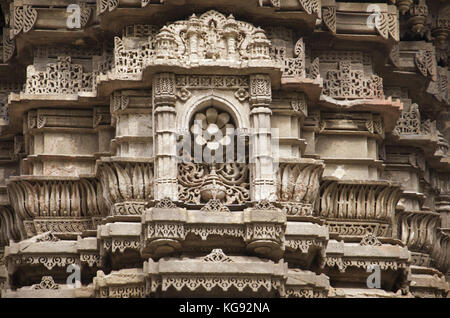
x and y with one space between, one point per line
238 111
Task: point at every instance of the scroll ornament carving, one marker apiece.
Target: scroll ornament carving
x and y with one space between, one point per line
186 83
313 71
106 5
426 63
204 231
8 47
215 205
23 19
165 203
217 256
62 77
343 264
358 229
232 178
439 88
302 245
201 182
382 24
169 230
59 225
409 123
223 282
329 18
48 262
370 240
124 291
179 231
310 6
295 67
299 105
393 25
85 14
47 282
346 83
264 205
121 244
297 292
260 231
91 259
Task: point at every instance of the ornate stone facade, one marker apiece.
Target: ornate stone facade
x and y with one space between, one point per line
277 149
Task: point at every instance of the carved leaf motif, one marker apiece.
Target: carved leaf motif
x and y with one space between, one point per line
301 184
85 14
329 18
9 46
382 25
112 4
29 18
393 26
17 22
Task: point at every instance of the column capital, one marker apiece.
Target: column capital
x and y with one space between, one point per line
260 90
164 90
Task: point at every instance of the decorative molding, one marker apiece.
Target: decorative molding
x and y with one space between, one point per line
346 201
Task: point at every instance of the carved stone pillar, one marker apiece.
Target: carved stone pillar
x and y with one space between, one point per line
261 159
165 139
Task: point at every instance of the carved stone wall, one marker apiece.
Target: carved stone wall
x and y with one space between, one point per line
275 148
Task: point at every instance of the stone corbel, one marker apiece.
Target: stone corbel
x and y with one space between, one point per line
8 47
106 5
23 19
329 18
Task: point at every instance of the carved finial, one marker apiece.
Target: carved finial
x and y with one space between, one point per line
217 256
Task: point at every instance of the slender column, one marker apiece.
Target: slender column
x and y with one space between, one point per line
263 176
165 137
